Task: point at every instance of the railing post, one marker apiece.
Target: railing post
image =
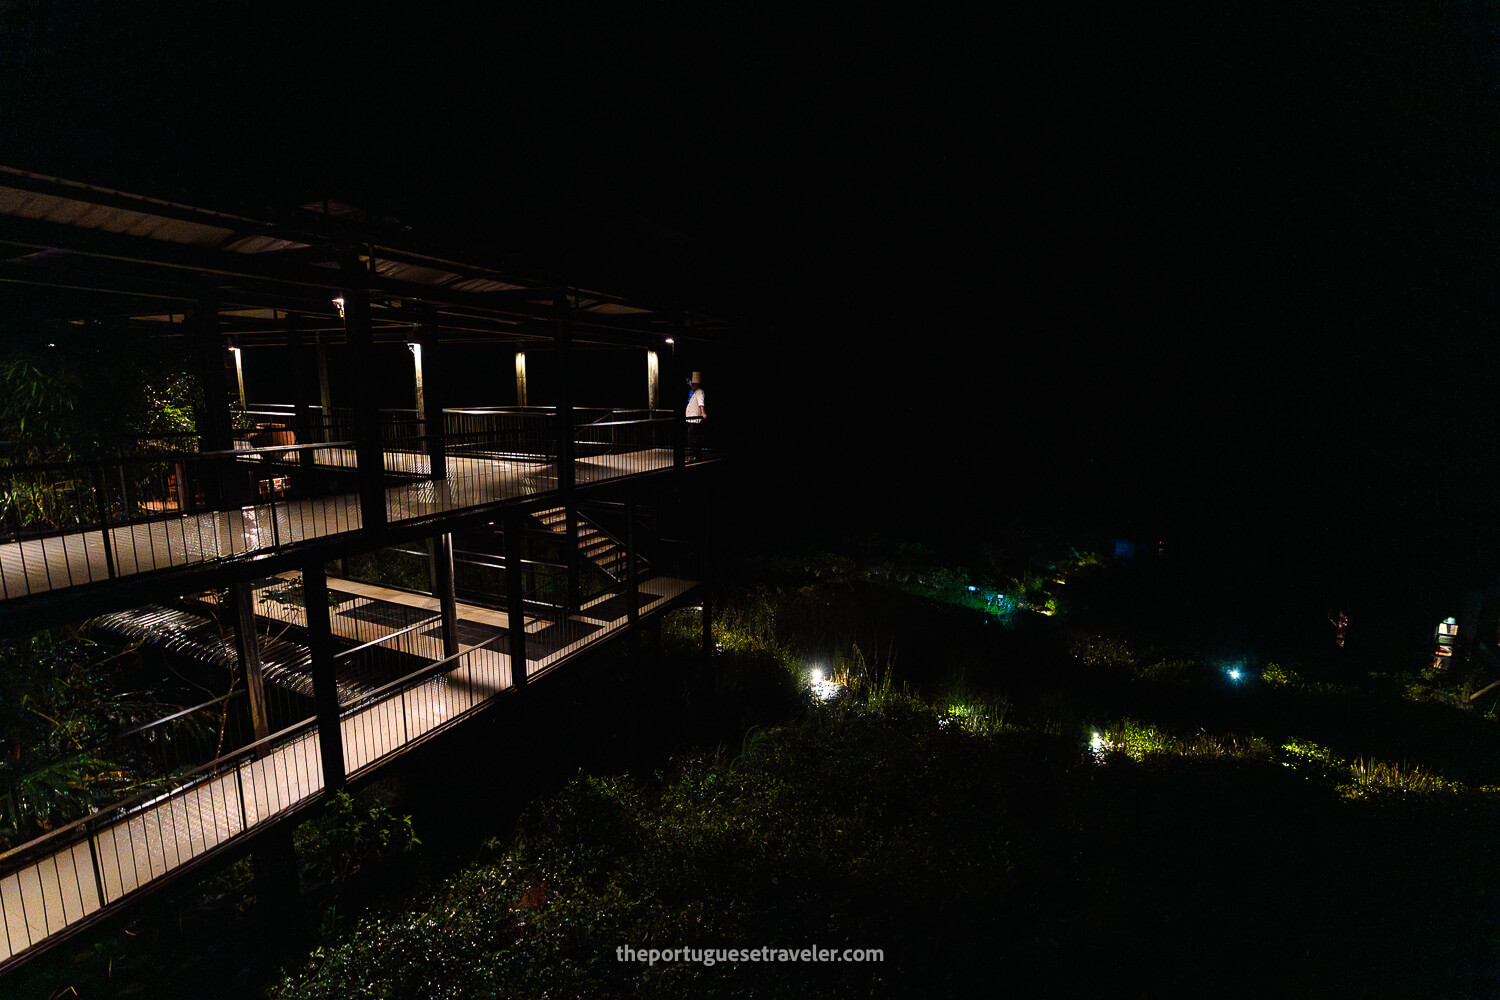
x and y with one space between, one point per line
239 787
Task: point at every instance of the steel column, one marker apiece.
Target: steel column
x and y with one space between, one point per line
440 547
515 598
433 430
325 685
572 556
302 404
704 573
214 423
632 595
566 448
368 451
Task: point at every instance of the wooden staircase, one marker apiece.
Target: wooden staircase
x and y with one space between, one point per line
602 550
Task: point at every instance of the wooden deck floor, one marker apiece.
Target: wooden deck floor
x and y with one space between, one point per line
54 889
39 565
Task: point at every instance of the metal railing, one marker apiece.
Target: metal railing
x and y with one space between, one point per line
623 443
285 483
56 880
71 872
143 759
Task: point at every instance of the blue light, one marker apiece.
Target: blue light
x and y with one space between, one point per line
1234 673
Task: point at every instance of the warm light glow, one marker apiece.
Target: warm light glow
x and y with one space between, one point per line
340 303
653 379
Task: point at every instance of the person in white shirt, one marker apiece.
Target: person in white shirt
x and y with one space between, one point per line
696 414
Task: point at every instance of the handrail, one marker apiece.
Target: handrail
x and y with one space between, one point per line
166 456
386 638
627 423
188 780
177 715
422 673
119 738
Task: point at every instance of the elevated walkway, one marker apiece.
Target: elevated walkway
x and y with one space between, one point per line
71 877
45 564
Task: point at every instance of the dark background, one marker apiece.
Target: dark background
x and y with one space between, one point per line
1221 274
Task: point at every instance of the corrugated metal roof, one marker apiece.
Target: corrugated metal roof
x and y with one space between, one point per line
484 285
262 244
413 273
614 309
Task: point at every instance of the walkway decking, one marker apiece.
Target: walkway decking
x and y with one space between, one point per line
100 861
39 565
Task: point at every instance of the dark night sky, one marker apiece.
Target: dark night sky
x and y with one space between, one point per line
1222 272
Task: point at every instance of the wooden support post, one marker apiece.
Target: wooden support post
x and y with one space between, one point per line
515 596
440 547
247 645
325 685
369 451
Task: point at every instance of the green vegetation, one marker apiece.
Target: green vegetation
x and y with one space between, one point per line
138 403
65 698
400 568
1059 808
818 833
1143 815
